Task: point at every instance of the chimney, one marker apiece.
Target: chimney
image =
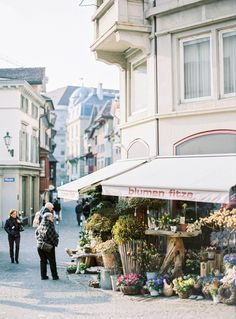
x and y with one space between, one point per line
100 91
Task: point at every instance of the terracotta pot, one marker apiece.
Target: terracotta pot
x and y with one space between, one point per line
183 295
183 227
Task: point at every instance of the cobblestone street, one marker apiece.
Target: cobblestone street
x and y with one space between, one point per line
24 295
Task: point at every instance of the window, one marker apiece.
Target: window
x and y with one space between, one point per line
34 111
62 152
196 68
138 87
34 148
43 167
62 165
229 62
24 104
24 144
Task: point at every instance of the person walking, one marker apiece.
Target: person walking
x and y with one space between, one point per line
46 233
79 211
13 227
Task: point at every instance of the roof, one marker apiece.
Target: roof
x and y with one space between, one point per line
31 75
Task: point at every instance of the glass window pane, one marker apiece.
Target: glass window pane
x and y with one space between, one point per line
197 68
229 62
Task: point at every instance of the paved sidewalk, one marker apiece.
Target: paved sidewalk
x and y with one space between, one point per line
24 295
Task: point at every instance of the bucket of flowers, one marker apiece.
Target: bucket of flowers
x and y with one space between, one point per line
183 286
130 284
154 286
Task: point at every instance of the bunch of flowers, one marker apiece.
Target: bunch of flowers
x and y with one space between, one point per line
183 285
84 239
154 284
214 288
131 280
230 260
164 220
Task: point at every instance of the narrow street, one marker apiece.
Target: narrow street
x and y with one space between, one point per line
24 295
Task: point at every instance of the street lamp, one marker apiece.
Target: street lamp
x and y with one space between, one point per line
7 139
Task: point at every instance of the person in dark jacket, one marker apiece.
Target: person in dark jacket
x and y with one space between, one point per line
46 233
13 226
79 211
48 208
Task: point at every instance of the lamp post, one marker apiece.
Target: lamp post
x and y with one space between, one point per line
7 140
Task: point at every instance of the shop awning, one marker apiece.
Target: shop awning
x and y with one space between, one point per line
70 191
193 178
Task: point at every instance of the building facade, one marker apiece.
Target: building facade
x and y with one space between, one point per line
178 79
61 99
82 104
19 169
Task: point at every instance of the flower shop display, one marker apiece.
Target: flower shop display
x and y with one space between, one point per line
164 221
214 291
84 239
227 291
183 286
131 283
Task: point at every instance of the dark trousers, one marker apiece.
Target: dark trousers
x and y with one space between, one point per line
44 256
12 240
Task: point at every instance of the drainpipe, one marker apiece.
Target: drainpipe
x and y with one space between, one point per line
156 79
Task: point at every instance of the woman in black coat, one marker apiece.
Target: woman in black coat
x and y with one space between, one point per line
46 233
13 226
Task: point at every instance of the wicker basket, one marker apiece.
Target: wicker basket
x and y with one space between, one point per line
130 290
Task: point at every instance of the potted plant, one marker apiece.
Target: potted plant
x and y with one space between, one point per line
214 291
130 284
82 268
129 233
155 286
164 221
99 226
71 268
110 253
183 286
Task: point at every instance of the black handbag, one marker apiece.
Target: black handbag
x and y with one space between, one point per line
21 228
46 247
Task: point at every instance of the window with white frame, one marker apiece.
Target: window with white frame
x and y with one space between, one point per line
34 147
138 87
228 62
196 68
24 143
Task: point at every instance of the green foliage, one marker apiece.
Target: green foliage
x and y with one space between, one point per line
128 228
100 226
84 239
82 266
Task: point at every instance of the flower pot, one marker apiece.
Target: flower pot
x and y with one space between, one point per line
130 290
113 282
105 279
211 255
82 271
216 299
173 228
183 227
109 261
154 293
71 270
183 295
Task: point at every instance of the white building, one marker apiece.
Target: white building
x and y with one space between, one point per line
178 74
82 102
19 169
61 98
178 79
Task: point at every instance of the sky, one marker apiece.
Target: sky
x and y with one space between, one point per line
57 35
